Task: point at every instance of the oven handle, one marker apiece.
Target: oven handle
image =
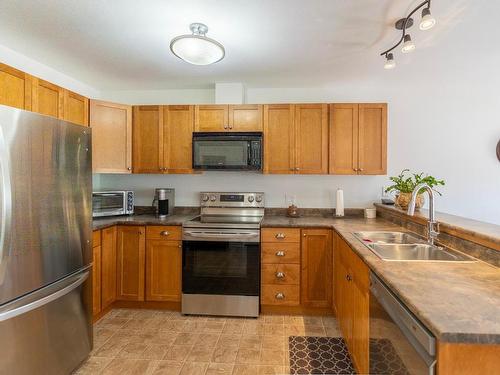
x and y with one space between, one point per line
218 234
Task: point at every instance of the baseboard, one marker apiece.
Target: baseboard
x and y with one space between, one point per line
155 305
295 310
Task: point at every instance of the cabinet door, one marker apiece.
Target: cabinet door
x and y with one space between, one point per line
163 270
111 137
360 340
130 263
178 126
211 118
311 139
372 139
47 98
343 139
245 118
15 88
316 263
76 108
108 266
96 280
148 139
279 139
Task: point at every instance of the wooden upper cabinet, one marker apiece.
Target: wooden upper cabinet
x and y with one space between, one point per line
245 118
108 266
148 139
372 139
316 283
130 254
358 139
163 270
76 108
211 118
311 138
15 88
178 127
47 98
111 137
279 139
343 138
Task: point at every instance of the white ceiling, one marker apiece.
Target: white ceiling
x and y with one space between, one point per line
122 45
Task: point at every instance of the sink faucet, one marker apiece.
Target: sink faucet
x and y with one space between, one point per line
432 225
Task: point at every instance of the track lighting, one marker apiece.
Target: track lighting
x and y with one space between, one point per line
408 45
403 24
427 21
389 62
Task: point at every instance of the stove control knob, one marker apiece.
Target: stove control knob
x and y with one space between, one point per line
259 198
251 198
204 197
213 198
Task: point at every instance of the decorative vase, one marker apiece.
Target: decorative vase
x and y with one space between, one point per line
403 200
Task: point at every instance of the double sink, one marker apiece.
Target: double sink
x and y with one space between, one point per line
401 246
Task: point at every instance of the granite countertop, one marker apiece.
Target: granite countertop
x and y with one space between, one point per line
458 302
145 219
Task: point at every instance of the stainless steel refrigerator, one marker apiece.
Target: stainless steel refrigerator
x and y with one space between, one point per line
45 244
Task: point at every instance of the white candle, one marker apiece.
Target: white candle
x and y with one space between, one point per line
339 209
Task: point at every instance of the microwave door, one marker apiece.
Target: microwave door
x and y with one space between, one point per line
105 203
223 154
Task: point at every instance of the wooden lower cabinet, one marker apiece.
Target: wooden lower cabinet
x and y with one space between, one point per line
163 270
108 267
316 265
96 273
352 299
130 256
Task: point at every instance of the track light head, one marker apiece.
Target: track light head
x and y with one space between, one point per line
389 62
408 44
427 21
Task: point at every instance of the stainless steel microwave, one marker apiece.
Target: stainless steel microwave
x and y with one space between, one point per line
112 203
227 151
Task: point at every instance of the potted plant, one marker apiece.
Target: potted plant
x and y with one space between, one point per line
404 186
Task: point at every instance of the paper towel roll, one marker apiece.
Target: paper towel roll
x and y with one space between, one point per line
339 208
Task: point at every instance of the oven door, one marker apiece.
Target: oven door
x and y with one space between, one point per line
227 152
221 267
109 203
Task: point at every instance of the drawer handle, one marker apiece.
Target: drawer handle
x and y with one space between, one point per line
279 296
348 277
280 275
280 236
280 253
164 233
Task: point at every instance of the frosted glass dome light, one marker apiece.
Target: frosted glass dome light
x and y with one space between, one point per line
197 48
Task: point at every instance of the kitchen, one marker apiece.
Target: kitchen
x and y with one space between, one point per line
222 212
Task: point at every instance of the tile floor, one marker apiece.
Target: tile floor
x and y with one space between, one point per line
137 342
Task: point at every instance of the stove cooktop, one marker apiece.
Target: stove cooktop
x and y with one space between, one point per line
223 221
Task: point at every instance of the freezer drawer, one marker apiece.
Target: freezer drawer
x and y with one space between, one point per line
48 331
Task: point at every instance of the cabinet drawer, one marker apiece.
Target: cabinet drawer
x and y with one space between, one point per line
280 235
96 238
286 274
161 232
280 253
281 295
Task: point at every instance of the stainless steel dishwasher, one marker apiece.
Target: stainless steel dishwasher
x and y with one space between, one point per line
399 343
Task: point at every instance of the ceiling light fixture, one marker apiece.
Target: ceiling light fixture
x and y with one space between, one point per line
426 23
197 48
408 45
389 63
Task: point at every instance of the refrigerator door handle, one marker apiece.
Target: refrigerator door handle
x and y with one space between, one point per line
5 202
76 281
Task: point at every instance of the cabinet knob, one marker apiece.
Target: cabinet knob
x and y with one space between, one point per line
280 236
305 235
129 168
360 169
297 169
280 253
354 169
225 126
348 277
164 233
279 296
280 275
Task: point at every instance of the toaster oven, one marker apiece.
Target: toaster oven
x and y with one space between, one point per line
112 203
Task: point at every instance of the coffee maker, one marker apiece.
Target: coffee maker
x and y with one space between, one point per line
164 202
